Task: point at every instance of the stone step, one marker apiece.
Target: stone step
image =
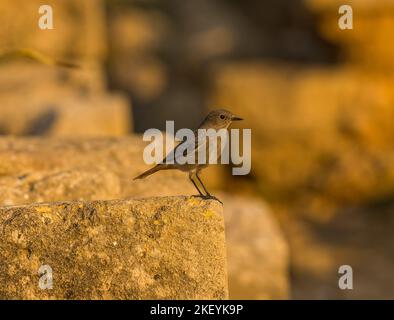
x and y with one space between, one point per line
153 248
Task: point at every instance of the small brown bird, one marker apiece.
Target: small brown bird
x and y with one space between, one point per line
217 119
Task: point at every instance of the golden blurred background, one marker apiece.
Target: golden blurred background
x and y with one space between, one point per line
319 101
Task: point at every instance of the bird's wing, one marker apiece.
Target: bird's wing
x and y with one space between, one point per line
189 148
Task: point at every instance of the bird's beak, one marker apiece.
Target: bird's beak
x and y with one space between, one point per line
234 118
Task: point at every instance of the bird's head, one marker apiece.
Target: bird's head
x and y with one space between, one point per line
220 119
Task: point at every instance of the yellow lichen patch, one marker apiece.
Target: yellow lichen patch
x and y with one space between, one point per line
160 222
60 207
194 201
43 209
209 214
128 222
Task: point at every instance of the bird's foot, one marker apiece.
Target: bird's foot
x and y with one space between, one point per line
208 197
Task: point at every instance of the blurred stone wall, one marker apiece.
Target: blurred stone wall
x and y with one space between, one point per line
318 134
322 149
161 52
39 99
369 45
79 28
333 122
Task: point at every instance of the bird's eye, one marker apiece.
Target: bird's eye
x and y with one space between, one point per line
222 116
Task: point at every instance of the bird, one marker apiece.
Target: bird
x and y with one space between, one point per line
216 119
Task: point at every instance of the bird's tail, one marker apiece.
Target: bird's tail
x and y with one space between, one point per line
148 172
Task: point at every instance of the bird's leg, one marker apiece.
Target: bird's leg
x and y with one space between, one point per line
194 183
206 191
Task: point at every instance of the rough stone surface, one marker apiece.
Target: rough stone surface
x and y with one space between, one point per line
156 248
257 252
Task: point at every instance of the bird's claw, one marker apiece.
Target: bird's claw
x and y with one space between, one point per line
208 197
214 198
